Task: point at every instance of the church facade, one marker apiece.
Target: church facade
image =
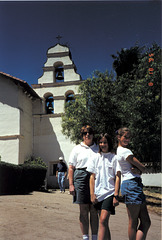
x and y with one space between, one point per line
31 117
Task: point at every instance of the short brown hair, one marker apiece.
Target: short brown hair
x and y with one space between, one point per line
87 128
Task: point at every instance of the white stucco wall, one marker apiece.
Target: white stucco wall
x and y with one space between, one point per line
70 74
50 143
59 106
9 121
16 131
26 127
47 77
58 48
50 61
37 106
152 179
9 108
9 150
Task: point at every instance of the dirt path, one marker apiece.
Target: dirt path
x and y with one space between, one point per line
47 216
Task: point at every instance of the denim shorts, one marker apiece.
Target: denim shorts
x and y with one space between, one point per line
132 191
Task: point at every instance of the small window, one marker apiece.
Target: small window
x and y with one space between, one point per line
53 167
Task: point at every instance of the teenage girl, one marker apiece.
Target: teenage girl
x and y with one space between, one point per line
132 188
79 182
104 184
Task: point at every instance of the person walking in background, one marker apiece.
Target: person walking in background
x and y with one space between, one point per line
61 172
104 183
79 181
132 188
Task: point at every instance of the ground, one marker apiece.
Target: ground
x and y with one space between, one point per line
52 215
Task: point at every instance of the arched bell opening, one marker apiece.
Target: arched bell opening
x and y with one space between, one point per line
59 72
69 98
49 104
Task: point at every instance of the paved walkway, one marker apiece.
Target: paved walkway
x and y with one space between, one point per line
47 216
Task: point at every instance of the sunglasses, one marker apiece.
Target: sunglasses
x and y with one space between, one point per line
90 133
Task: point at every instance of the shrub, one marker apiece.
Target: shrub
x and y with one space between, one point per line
10 177
23 178
35 161
33 177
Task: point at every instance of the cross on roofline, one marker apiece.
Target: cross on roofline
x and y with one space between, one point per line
58 38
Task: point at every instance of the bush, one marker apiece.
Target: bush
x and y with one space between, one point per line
23 178
10 177
35 161
33 177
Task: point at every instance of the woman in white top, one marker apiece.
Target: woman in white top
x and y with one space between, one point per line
79 181
132 188
104 183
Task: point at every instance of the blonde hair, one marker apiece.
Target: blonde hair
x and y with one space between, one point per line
123 130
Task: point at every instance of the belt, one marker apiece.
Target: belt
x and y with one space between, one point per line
81 168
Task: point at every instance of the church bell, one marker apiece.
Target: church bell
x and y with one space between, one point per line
50 106
59 75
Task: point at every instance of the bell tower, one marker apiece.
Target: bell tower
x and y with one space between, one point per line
59 66
58 84
59 79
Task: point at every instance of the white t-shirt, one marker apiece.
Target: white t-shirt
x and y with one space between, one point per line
105 167
80 155
123 153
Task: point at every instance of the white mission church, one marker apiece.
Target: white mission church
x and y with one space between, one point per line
30 117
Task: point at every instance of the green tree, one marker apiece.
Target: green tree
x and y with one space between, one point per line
140 104
132 100
126 60
96 105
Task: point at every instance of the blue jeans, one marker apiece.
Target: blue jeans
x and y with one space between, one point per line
61 180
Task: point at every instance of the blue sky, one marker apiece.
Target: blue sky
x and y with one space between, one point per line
93 30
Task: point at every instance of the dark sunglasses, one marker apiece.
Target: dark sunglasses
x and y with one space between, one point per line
90 133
